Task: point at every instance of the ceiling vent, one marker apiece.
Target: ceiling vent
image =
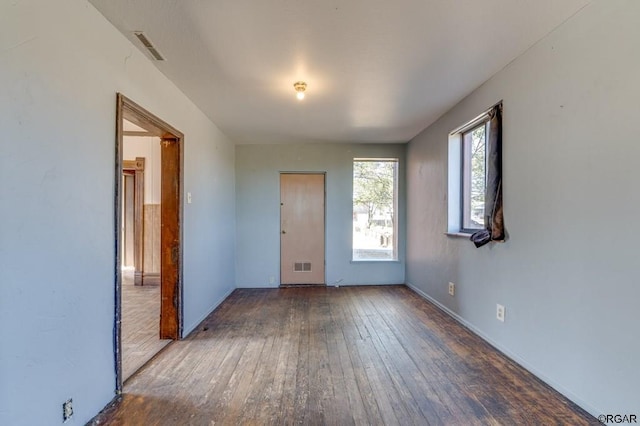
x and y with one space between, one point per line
145 41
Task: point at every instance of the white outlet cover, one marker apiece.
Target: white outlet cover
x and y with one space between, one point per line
452 289
500 312
67 410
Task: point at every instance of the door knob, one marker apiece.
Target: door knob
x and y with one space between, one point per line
284 232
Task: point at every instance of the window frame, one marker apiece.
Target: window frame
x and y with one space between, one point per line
456 171
464 170
395 219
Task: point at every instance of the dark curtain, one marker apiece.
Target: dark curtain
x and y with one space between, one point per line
493 219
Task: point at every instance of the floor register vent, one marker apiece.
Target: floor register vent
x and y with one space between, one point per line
302 267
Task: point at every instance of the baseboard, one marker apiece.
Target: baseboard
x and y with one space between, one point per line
340 283
150 278
188 330
515 358
302 285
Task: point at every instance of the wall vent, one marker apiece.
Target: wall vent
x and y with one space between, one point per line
302 267
150 47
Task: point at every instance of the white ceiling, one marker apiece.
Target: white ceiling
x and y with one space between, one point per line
377 70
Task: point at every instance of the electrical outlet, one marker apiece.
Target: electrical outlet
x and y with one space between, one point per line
67 409
500 312
452 289
272 280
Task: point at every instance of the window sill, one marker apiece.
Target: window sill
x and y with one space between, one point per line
375 261
458 234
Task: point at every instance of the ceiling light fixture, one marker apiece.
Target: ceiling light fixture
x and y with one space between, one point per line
300 87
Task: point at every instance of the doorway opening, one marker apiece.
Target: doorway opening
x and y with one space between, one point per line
148 237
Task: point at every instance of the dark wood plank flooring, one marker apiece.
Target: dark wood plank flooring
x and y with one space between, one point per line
335 356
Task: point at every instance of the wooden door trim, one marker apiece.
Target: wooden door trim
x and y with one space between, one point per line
131 111
324 175
170 237
136 168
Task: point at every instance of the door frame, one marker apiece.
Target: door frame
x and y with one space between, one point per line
171 317
135 168
324 234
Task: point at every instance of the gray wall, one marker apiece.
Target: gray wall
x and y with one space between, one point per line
258 211
61 64
568 275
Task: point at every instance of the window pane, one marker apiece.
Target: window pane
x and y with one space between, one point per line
474 177
374 209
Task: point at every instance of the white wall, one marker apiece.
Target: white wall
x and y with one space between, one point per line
147 147
568 275
258 170
61 64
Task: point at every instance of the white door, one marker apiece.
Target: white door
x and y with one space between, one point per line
302 228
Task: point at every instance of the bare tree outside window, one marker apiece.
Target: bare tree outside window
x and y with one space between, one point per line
474 177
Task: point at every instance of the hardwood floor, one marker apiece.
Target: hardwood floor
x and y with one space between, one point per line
140 324
335 356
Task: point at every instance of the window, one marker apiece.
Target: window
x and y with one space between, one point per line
475 176
375 206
